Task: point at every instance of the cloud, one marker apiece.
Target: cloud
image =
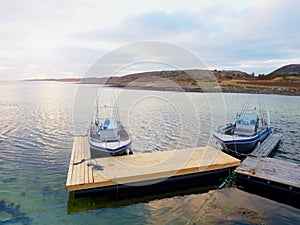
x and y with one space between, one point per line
249 35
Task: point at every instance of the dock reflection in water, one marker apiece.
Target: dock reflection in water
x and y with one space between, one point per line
197 206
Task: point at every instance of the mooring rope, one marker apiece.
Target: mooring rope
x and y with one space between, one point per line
228 180
81 161
200 207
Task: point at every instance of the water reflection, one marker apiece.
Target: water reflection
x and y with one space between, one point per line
94 201
226 206
36 135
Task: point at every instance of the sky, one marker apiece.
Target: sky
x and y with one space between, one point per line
61 39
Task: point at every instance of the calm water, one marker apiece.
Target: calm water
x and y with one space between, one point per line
37 124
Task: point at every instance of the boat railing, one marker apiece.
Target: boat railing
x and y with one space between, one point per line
225 128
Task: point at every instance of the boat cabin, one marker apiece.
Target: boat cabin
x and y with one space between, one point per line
107 129
107 124
246 124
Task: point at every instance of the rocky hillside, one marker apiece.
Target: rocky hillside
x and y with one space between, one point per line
285 80
288 73
210 81
292 69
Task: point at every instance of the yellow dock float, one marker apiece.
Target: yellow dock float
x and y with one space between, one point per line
142 169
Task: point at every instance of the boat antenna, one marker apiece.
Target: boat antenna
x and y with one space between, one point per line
263 112
97 108
260 109
245 106
116 105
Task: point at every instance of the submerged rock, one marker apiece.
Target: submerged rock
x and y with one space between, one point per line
9 180
5 217
10 213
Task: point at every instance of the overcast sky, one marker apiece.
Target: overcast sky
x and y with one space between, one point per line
60 38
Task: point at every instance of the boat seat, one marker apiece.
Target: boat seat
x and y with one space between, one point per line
245 130
108 135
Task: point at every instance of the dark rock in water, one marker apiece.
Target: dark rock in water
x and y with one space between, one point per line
11 214
9 180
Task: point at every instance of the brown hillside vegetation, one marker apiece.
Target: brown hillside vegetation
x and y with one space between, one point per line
285 80
210 81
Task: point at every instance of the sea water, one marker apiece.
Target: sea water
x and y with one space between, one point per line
39 119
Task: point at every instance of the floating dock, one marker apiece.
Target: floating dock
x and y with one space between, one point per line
152 170
274 178
272 171
267 146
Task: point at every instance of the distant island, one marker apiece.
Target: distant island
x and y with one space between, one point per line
285 81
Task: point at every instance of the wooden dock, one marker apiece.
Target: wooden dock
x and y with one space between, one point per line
267 146
270 177
141 169
271 170
273 178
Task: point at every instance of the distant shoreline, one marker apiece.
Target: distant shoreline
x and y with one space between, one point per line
197 81
226 89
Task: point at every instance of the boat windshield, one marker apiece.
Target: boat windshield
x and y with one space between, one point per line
107 124
246 119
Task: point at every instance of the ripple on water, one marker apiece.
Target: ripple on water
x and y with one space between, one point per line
36 139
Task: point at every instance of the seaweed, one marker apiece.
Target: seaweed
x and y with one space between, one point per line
250 216
13 214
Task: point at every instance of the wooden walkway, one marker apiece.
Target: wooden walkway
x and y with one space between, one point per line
85 173
79 172
271 170
267 146
275 178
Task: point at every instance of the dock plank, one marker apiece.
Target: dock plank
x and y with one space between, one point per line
271 169
78 157
78 169
141 167
74 179
160 165
267 146
71 168
88 177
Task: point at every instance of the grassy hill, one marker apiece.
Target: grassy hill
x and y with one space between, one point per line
285 80
210 81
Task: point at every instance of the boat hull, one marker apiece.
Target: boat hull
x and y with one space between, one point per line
112 148
238 144
107 137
